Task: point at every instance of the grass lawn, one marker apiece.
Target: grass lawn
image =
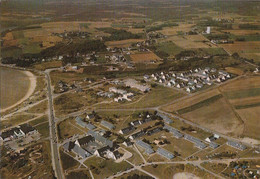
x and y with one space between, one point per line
39 120
243 93
39 108
65 130
102 168
15 120
78 174
67 161
214 51
214 167
43 129
46 65
169 47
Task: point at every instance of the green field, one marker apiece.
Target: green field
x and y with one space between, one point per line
243 93
169 47
200 104
43 129
103 168
67 161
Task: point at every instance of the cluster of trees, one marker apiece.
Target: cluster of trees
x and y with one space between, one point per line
136 176
119 34
74 48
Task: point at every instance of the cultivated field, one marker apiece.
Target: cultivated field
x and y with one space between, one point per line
188 42
242 47
144 57
122 43
175 29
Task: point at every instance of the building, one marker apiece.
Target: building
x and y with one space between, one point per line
80 152
68 146
101 152
213 145
164 153
90 126
135 123
148 149
165 118
153 131
174 131
107 125
134 84
127 130
90 116
113 155
137 135
236 145
118 91
100 139
208 30
198 143
84 140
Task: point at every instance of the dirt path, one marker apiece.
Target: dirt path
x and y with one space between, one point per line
30 91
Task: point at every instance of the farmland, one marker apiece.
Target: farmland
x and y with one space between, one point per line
144 57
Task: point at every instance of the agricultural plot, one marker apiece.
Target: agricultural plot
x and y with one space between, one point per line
122 43
144 57
187 43
242 47
169 31
169 48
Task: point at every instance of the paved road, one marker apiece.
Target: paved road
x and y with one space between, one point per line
53 133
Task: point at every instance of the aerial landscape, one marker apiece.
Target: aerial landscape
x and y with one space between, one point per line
130 89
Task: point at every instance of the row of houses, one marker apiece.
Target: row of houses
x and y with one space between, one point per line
18 132
190 80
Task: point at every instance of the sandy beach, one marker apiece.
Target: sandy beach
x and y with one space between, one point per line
30 91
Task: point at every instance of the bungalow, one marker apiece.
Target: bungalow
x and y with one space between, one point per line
196 141
90 126
107 125
164 153
165 118
127 130
148 149
236 145
174 131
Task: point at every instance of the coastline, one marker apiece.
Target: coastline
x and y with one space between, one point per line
30 91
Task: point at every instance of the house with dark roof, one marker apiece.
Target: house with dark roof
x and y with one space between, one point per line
153 131
101 152
28 129
68 146
90 116
137 135
135 123
127 130
84 140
